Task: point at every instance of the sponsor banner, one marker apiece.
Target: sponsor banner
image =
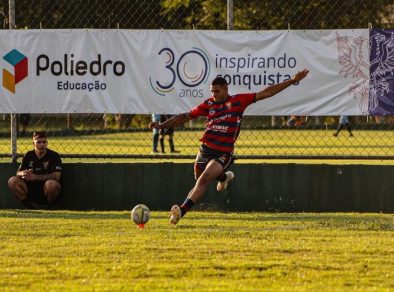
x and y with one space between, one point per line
381 99
159 71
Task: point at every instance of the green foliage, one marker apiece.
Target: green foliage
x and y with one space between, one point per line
270 14
200 14
105 251
87 14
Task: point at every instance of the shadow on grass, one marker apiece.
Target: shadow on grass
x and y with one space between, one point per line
61 214
74 215
368 221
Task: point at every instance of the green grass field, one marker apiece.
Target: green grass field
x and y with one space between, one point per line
251 142
207 251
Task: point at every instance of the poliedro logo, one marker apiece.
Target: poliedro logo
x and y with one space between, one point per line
68 66
20 64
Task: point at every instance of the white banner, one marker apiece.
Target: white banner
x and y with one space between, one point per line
153 71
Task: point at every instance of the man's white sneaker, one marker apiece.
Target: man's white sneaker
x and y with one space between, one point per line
222 185
175 214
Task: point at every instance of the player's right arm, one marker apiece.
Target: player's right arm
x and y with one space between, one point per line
175 121
23 167
20 173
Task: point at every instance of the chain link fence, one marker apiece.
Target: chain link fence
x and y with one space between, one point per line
127 136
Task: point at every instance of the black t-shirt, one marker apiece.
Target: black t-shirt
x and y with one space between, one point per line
49 163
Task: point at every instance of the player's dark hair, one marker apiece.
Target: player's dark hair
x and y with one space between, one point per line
219 81
39 134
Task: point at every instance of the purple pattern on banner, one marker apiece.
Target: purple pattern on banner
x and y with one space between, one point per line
381 93
353 65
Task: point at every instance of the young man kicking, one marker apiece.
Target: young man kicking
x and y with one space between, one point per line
224 114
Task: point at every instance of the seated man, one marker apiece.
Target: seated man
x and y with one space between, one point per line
38 177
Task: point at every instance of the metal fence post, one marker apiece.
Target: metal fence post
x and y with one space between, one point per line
11 23
230 14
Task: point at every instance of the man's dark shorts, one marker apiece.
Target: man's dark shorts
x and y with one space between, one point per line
206 154
35 192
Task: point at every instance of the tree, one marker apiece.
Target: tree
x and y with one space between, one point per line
131 14
266 15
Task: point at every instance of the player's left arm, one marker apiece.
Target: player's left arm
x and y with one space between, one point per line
54 172
276 88
52 176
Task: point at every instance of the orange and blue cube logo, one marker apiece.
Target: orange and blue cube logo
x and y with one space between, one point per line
20 64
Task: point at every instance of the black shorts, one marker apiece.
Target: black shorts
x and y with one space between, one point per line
35 192
207 154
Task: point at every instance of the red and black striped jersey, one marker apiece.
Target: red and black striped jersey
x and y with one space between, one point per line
223 120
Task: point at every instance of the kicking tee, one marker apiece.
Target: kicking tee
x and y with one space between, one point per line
223 120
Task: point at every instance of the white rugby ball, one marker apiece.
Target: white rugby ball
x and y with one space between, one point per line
140 214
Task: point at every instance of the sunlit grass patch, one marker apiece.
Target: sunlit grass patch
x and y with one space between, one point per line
70 250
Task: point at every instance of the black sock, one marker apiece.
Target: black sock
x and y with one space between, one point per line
50 205
186 206
172 147
222 177
26 202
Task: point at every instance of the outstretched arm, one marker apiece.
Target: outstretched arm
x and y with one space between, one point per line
175 121
276 88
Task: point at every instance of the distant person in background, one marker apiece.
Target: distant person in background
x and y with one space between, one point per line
291 121
38 177
295 121
224 115
283 121
379 120
107 120
343 122
24 121
123 121
169 132
155 138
